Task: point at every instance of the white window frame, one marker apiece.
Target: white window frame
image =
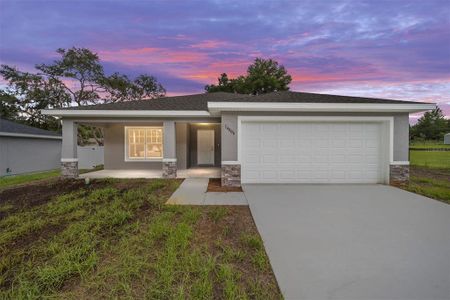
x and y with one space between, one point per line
126 144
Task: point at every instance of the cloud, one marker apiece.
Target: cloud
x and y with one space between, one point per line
395 49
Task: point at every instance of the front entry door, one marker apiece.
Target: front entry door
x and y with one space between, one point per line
205 147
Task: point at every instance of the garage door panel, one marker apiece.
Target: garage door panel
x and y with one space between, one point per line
311 152
338 143
287 143
270 143
253 143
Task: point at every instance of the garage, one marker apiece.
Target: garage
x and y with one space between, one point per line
314 152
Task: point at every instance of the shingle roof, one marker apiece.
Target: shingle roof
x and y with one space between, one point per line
200 101
188 102
302 97
13 127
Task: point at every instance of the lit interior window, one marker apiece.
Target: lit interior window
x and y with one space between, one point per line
144 143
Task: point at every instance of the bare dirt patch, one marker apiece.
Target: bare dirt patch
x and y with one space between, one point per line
440 174
215 185
39 193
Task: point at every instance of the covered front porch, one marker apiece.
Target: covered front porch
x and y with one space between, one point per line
200 172
150 148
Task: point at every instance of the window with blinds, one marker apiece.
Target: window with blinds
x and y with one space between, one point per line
144 143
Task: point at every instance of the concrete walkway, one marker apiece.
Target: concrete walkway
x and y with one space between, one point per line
193 192
353 241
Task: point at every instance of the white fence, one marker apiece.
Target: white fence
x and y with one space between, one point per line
90 156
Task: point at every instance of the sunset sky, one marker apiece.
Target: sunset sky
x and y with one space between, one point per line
388 49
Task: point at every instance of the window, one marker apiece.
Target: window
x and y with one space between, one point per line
143 143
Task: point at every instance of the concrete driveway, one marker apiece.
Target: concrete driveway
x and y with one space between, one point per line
353 241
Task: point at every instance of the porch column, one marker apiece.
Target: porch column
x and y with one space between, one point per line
69 158
169 163
231 168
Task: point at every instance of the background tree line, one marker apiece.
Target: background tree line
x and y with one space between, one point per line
77 78
431 126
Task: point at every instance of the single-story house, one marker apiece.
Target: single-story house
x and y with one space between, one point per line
25 149
447 139
279 137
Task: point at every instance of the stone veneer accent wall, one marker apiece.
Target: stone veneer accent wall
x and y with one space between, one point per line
231 175
169 169
69 169
399 175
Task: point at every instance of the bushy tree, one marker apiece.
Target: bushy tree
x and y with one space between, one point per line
77 78
263 76
431 126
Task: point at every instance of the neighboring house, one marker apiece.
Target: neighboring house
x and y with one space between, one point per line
447 139
26 149
280 137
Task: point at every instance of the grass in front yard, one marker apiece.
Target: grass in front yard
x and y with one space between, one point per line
428 144
433 183
430 159
117 239
13 180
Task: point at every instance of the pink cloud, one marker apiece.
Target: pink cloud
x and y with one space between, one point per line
150 55
209 44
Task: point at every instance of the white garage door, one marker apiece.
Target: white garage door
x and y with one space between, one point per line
311 152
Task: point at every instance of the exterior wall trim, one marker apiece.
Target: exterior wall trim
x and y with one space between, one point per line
217 107
169 160
230 162
69 159
400 163
35 136
389 121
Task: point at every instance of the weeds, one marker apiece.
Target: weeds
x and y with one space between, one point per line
123 242
252 241
218 213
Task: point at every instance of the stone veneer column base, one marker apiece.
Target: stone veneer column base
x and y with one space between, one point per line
399 174
169 168
69 168
231 175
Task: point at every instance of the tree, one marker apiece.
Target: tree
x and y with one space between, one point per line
77 78
263 76
8 106
431 126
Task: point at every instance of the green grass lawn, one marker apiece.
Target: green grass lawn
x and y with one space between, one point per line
8 181
428 144
432 183
430 159
117 239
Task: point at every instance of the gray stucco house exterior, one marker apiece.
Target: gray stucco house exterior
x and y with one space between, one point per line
279 137
25 149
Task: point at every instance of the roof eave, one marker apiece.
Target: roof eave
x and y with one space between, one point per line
217 107
124 113
28 135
